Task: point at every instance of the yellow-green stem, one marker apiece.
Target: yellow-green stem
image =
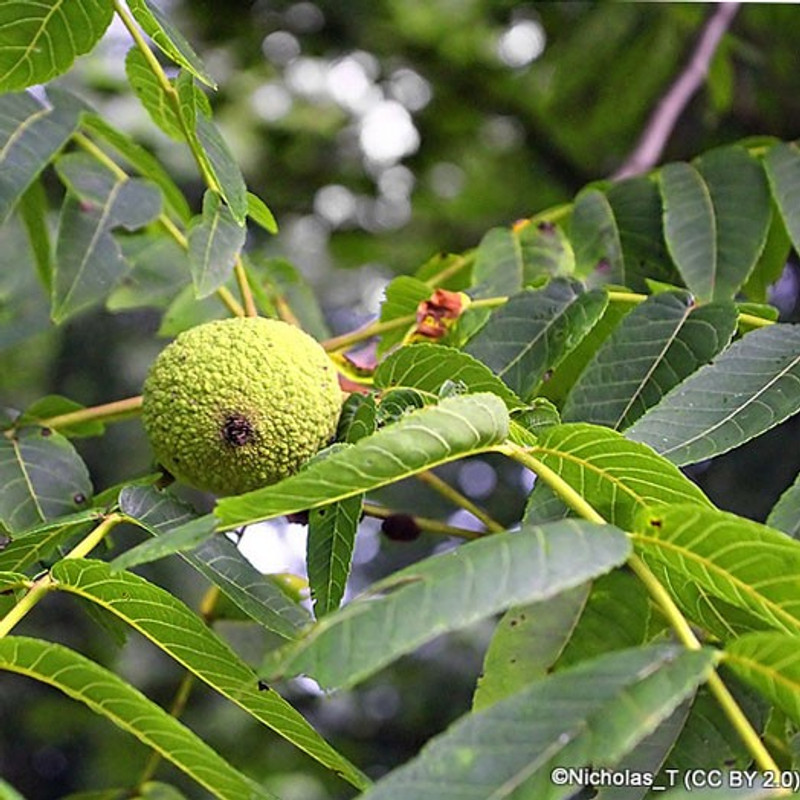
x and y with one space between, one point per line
458 499
108 412
347 340
244 288
423 523
41 586
661 596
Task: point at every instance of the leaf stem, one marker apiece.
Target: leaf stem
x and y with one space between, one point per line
44 584
377 327
423 523
230 302
662 597
191 140
169 90
244 288
457 498
108 412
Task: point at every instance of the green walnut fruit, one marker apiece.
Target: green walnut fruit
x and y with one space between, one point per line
238 404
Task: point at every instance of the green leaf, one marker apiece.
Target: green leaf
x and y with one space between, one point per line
358 418
219 561
30 135
111 697
331 537
654 348
560 383
141 160
637 209
169 39
54 405
152 95
258 211
159 269
770 663
772 261
746 564
527 337
8 792
748 389
615 476
33 212
785 514
89 261
36 544
39 41
423 439
183 537
593 714
215 241
428 367
616 616
509 259
170 625
782 164
716 219
595 237
332 529
224 167
647 757
41 478
526 643
403 295
708 737
448 592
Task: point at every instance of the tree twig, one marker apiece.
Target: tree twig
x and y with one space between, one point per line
650 146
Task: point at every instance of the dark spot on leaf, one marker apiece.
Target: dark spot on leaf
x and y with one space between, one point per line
46 431
400 528
263 686
512 660
546 227
514 623
79 498
548 373
237 430
656 523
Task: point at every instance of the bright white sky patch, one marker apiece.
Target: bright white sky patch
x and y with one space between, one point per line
521 43
388 133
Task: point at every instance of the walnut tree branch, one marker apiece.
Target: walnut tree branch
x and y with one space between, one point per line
662 121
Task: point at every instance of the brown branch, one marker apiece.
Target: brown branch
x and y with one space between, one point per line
650 146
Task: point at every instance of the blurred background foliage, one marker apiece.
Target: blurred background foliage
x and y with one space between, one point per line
380 132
